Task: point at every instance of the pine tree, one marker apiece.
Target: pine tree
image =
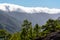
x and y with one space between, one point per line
25 30
50 25
37 30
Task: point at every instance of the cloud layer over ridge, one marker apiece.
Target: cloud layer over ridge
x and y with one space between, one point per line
13 7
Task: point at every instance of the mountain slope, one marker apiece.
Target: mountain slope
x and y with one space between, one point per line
9 23
12 16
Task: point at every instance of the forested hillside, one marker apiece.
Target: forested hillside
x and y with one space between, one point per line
29 32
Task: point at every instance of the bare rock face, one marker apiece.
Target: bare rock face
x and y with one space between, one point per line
53 36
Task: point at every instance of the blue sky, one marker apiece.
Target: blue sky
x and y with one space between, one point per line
34 3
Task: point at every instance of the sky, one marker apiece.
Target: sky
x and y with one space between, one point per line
34 3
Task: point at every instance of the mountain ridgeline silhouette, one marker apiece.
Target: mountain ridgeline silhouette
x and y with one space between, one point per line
12 20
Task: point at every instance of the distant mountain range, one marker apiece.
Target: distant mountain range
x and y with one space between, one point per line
12 16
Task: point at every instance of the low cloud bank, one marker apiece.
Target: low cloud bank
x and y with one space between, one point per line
12 7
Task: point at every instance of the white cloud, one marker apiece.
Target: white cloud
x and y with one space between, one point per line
13 7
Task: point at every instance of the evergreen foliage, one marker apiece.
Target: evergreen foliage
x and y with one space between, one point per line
29 32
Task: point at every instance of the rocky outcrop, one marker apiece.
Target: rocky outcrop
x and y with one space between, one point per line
53 36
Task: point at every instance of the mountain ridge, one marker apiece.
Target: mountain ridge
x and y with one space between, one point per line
13 17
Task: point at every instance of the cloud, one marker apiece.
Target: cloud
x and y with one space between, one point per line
13 7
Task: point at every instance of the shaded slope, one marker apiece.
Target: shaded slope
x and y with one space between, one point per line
9 23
